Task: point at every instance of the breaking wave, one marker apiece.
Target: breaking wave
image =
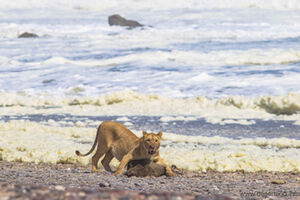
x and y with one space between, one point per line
285 107
105 5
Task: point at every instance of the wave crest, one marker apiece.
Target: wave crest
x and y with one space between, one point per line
285 107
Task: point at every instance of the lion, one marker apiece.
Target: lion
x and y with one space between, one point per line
115 140
144 167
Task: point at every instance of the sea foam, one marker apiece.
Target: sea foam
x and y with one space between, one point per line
26 141
285 107
153 5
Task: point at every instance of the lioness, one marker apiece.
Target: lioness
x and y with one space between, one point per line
115 140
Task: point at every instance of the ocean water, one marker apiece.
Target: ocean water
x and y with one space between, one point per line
221 79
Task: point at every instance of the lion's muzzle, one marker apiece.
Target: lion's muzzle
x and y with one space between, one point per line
152 150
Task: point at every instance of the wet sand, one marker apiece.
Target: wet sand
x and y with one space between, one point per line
68 181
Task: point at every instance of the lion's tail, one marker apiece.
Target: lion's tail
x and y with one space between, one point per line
94 145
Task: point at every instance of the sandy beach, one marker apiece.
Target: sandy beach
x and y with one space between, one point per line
68 181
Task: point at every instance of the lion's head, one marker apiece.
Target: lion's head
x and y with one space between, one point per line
151 142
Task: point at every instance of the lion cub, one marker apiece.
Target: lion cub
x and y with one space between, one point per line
115 140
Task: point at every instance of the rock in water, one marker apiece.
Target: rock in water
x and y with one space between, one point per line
117 20
144 167
28 35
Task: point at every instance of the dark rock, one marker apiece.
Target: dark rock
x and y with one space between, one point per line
117 20
28 35
104 184
144 167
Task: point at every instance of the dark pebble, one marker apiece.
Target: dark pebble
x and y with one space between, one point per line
104 184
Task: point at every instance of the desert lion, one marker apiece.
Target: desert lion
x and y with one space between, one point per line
115 140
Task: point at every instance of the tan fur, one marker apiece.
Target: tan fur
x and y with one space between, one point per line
115 140
144 167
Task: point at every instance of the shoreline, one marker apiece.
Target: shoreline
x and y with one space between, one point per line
61 179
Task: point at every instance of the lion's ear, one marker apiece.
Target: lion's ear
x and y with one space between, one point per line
144 133
159 134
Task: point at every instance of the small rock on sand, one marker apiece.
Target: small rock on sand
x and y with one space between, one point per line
278 181
104 184
60 188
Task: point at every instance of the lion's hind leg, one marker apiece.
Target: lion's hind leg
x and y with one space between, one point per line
106 160
99 153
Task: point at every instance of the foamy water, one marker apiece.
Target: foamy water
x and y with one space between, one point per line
227 63
25 141
216 49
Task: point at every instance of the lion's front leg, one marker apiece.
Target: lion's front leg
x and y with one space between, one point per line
168 169
123 163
